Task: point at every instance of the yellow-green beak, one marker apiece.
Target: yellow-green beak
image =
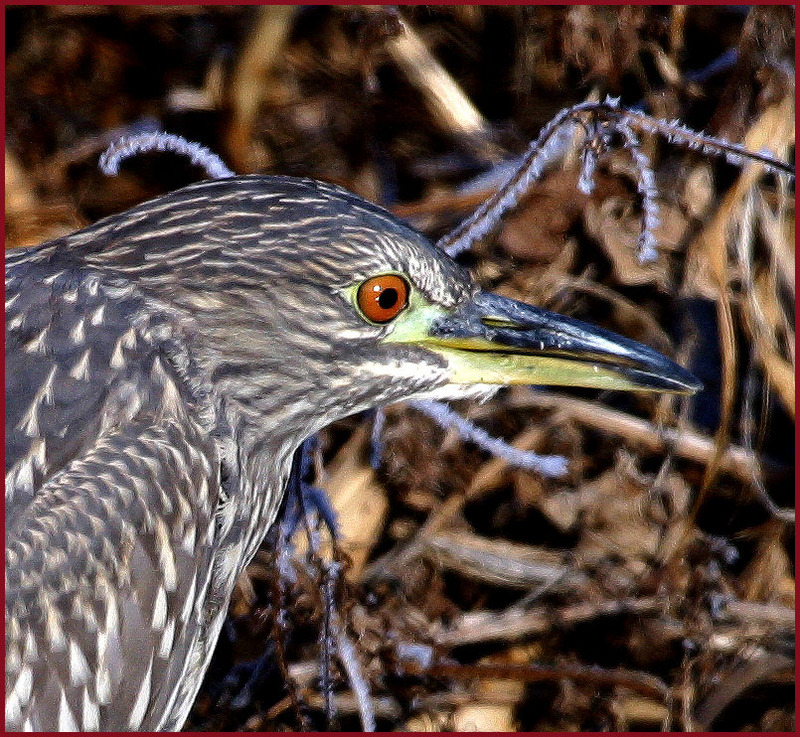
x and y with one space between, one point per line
494 340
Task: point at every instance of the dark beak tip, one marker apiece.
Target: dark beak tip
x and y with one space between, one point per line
678 380
691 384
696 386
516 326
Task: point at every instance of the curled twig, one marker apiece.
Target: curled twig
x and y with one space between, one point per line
127 146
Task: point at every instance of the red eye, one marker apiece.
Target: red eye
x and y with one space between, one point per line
382 298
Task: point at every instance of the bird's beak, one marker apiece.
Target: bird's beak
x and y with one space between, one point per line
494 340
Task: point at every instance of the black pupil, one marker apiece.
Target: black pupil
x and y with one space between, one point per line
388 298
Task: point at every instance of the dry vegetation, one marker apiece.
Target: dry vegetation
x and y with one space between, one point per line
652 589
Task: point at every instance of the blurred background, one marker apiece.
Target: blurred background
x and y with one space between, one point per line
653 588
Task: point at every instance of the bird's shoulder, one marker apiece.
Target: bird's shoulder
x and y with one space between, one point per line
82 358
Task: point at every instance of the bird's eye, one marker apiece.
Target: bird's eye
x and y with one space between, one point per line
382 298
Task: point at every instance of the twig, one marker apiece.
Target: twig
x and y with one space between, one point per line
551 466
757 667
260 55
646 185
349 660
754 611
684 443
516 623
761 493
554 141
503 563
127 146
376 437
550 145
733 153
384 707
778 371
636 681
279 630
326 641
450 107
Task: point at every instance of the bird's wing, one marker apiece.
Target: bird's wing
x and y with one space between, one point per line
75 367
106 574
111 488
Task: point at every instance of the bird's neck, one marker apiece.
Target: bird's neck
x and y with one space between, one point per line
258 462
256 427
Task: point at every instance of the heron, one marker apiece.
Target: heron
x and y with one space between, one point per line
162 367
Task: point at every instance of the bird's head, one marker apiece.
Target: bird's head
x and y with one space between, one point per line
313 303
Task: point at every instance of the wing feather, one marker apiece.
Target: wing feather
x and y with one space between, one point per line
100 598
112 483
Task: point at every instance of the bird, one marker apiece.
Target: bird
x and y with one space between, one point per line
162 367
